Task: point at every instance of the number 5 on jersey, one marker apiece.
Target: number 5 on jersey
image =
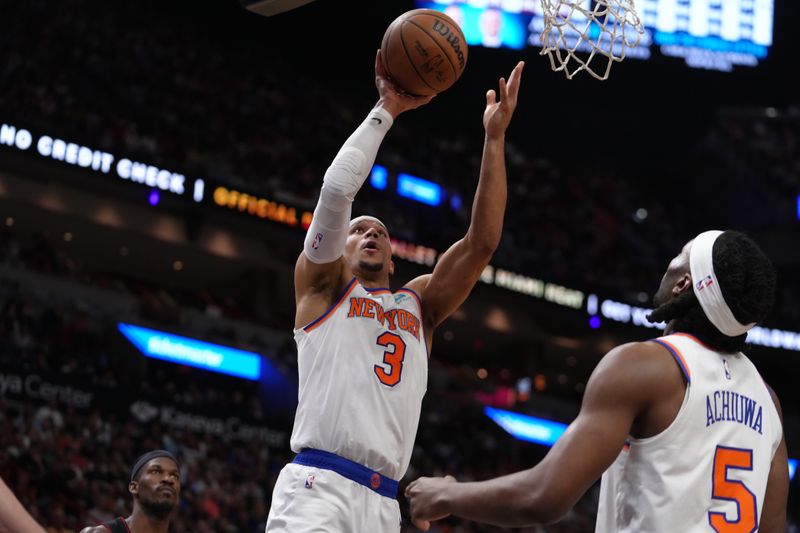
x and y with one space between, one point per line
392 358
734 490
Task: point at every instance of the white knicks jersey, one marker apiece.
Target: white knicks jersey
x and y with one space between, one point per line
363 371
708 470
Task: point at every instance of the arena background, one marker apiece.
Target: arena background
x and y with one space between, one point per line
607 181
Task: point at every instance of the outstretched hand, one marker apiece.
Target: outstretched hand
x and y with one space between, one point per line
425 499
497 115
392 98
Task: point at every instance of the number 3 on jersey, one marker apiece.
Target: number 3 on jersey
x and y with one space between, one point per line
392 358
734 490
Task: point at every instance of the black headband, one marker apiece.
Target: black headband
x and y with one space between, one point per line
146 458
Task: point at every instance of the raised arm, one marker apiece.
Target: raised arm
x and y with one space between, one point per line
320 271
461 265
627 380
13 517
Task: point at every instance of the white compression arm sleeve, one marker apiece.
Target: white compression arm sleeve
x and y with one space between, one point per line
328 231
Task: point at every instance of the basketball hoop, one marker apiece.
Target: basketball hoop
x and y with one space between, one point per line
601 33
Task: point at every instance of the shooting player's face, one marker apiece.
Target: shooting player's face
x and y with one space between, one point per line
368 247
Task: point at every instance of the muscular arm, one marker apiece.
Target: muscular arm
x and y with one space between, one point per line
625 384
461 265
773 515
320 272
320 269
13 517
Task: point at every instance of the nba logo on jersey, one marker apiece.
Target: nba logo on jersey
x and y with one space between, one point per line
705 282
317 240
310 482
727 369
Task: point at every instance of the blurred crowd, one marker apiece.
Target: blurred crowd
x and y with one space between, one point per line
113 79
69 460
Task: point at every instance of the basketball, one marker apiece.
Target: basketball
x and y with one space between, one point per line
424 52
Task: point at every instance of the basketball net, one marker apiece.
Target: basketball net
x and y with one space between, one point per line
601 33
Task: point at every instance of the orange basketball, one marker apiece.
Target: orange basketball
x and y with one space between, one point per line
424 51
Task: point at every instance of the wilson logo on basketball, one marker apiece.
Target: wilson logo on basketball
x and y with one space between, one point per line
423 52
444 30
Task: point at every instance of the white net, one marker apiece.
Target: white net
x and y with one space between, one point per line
578 37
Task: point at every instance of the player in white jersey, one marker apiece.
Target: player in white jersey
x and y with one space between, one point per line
689 436
362 349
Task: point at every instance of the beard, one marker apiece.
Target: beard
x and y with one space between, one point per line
660 309
658 300
663 295
158 508
370 267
